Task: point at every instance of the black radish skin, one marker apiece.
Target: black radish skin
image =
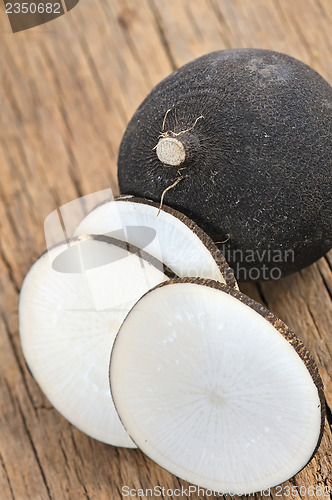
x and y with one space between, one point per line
244 136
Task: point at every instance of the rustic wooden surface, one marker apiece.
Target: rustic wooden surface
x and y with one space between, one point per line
67 90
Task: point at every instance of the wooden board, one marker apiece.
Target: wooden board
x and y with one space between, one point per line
67 90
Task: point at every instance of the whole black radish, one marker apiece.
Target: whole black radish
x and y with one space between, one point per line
240 141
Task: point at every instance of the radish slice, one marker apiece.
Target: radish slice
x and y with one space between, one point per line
72 303
215 388
167 235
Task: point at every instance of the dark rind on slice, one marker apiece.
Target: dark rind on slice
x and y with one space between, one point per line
217 255
121 244
136 251
276 322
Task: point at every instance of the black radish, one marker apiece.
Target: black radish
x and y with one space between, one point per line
241 142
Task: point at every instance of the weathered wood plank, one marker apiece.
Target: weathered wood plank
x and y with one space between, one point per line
67 90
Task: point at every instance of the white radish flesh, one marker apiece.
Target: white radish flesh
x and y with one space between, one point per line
167 235
72 304
212 389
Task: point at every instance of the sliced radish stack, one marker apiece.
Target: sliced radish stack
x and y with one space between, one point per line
76 296
164 233
215 388
72 303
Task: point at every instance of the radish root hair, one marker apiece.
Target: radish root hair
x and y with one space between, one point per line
170 133
168 188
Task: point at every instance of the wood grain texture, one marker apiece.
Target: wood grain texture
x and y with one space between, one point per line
67 90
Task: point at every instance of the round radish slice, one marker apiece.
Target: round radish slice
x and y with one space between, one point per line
72 303
215 388
166 234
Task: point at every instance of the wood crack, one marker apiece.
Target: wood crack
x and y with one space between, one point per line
10 270
67 143
86 493
8 91
95 73
261 294
12 221
281 13
162 34
292 480
329 415
44 407
314 321
180 486
222 23
78 454
328 262
17 358
118 467
298 30
133 49
24 189
119 491
193 22
34 450
329 291
71 169
121 113
7 475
